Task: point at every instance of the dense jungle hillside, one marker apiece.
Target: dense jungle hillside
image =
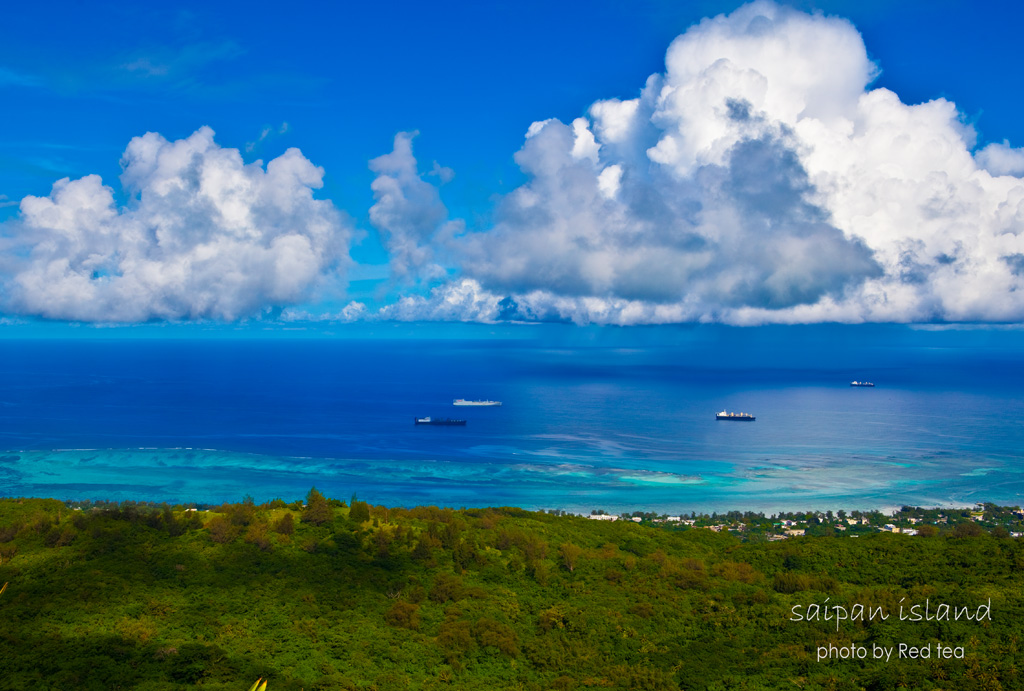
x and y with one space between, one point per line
344 595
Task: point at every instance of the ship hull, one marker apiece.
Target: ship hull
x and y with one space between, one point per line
735 418
447 422
476 404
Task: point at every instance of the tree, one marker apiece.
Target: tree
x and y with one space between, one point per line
285 525
570 555
446 587
359 511
382 539
241 514
7 553
221 530
463 555
968 529
257 535
404 615
422 550
490 632
318 511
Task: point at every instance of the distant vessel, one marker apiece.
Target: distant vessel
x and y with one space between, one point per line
739 417
861 383
446 422
463 401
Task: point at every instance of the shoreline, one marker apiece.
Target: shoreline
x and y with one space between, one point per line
746 526
598 511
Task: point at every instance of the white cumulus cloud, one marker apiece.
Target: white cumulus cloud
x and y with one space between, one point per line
458 300
202 235
1001 159
758 179
408 212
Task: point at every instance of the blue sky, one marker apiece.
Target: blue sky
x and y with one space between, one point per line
471 77
339 82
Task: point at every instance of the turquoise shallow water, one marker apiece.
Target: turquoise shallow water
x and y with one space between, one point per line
211 476
581 428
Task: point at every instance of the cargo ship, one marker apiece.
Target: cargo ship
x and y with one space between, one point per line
445 422
463 401
739 417
861 383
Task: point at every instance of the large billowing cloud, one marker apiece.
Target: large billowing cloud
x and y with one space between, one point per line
758 179
202 235
741 232
409 214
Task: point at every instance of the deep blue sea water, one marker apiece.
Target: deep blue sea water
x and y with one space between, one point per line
616 422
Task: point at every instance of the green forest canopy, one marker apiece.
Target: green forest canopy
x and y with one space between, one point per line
336 595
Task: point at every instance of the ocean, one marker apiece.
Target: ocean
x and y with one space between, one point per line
619 420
